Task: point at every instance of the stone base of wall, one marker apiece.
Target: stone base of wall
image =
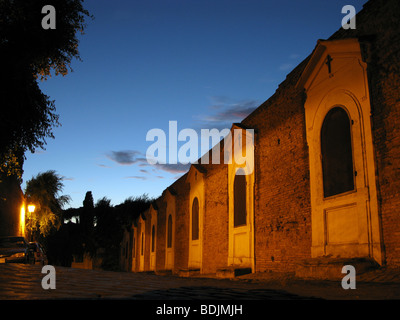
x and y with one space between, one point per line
331 268
189 272
232 272
87 263
163 272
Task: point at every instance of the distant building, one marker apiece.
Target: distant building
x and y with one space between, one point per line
326 178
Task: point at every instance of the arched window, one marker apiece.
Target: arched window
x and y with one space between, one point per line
195 219
336 151
239 194
169 232
153 237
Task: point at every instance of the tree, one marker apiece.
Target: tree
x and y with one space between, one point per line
111 223
43 191
27 52
131 208
87 214
106 222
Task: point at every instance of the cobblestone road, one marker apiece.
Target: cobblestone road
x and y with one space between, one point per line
24 282
18 281
256 295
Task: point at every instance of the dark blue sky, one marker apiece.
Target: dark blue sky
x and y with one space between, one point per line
203 63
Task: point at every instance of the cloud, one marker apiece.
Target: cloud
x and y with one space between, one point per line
64 178
133 157
225 111
136 177
143 164
126 157
173 168
103 165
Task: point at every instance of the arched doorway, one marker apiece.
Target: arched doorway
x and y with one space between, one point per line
241 217
345 218
142 243
195 235
153 248
343 195
169 259
153 237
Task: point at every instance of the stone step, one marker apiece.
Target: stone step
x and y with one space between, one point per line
164 272
327 268
147 272
232 272
189 272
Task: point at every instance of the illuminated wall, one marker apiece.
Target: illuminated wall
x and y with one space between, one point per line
292 217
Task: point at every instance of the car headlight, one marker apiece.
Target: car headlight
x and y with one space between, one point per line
18 255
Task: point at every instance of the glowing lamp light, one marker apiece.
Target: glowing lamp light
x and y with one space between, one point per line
31 208
22 221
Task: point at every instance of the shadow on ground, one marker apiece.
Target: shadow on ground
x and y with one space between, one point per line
215 293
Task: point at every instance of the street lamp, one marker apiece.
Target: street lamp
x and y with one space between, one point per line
31 208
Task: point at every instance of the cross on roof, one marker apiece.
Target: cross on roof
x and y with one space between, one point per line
328 63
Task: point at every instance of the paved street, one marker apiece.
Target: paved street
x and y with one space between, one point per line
18 281
24 282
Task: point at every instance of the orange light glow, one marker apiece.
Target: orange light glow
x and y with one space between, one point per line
22 220
31 208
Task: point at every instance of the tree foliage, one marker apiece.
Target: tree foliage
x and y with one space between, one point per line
27 52
44 192
87 214
111 221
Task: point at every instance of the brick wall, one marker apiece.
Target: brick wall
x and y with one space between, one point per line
282 192
161 235
379 26
182 212
282 184
215 227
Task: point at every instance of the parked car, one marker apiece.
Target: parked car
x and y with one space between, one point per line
39 255
15 250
